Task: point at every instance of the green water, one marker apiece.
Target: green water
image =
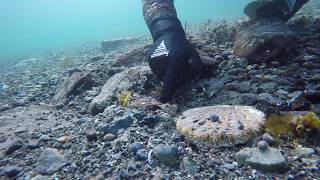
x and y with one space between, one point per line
30 27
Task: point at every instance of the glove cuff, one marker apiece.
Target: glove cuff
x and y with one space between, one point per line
164 25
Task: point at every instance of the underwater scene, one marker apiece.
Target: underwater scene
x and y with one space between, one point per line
159 89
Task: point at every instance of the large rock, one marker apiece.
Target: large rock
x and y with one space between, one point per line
133 79
269 160
50 161
72 85
222 125
136 57
263 40
109 45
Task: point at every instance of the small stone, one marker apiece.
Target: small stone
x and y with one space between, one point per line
142 155
50 161
15 145
167 155
59 106
229 166
268 138
3 138
243 87
136 146
109 137
303 152
269 160
91 135
44 138
151 121
214 118
190 165
262 145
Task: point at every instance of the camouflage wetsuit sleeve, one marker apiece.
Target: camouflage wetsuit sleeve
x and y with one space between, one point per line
154 9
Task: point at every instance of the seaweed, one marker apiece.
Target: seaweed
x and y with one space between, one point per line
291 125
124 98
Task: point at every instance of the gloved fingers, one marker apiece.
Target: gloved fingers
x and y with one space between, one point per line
175 76
195 66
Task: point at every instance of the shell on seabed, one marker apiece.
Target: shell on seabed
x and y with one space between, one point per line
225 132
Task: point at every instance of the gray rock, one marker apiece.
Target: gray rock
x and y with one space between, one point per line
268 99
243 87
109 137
229 166
132 79
190 165
136 146
268 138
109 45
12 171
303 152
269 160
50 161
15 145
268 86
167 155
262 40
150 121
40 177
44 138
142 154
3 138
117 124
263 145
72 85
249 99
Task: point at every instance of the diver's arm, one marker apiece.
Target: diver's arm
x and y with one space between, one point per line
154 9
172 58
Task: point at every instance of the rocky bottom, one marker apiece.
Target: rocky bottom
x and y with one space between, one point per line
87 114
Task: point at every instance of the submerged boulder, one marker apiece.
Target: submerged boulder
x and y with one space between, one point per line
72 85
133 79
109 45
263 40
222 125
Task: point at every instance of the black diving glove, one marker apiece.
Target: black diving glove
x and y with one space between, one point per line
172 58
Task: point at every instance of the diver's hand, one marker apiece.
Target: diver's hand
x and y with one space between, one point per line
174 61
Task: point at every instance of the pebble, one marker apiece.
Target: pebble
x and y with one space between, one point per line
91 135
3 138
136 146
109 137
167 155
262 145
15 145
44 138
142 155
229 166
268 138
151 121
243 87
